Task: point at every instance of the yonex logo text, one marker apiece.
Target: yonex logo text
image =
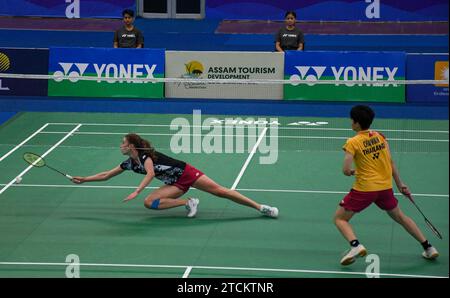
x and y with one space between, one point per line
117 72
346 73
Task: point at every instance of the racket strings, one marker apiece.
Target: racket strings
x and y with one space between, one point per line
34 159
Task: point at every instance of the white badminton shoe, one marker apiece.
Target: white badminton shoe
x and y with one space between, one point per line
269 211
430 253
352 254
192 206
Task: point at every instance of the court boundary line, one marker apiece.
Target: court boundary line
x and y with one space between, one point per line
187 272
238 189
24 141
218 268
331 192
232 135
43 155
249 158
230 126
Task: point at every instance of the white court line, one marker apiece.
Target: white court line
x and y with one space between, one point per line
79 186
23 142
249 158
238 189
230 126
43 155
332 192
187 272
232 135
215 268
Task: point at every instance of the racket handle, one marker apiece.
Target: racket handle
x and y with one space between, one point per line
68 176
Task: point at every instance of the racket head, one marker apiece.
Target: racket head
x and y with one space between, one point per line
433 228
34 159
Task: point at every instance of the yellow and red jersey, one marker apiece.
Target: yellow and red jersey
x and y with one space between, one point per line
372 161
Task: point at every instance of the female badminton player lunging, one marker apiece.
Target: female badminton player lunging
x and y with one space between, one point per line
177 175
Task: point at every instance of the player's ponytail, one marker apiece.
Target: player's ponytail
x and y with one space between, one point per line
148 149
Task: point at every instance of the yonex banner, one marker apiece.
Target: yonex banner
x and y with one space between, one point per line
23 61
66 8
106 63
224 65
427 67
345 66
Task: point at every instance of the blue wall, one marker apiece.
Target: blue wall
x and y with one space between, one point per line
206 41
61 8
337 10
219 107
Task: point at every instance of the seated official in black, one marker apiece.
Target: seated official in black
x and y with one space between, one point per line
289 37
128 36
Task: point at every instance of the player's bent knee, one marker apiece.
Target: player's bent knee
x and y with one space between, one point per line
336 219
152 204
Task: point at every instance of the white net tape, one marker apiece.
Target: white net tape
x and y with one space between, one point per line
222 81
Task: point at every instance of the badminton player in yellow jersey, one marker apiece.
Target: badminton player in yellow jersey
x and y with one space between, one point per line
374 170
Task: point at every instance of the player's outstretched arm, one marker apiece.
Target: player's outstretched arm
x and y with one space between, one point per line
145 182
98 177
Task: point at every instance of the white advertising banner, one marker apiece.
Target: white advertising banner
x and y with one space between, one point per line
224 65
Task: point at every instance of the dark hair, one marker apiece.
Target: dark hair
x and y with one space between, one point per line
363 115
290 12
128 12
142 146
